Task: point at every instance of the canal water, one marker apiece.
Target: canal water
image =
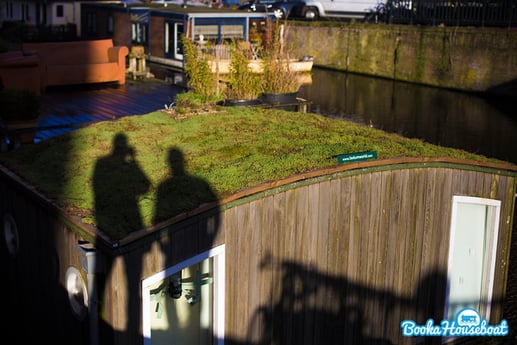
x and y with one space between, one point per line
467 121
487 126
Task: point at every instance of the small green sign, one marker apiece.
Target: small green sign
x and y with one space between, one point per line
358 156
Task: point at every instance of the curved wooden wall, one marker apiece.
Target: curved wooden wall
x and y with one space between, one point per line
358 251
341 255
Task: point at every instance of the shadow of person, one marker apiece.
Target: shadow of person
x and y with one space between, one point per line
182 192
429 300
178 193
118 183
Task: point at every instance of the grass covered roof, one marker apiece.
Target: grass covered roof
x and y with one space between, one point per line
133 160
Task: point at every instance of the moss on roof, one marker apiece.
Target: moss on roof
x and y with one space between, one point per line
216 154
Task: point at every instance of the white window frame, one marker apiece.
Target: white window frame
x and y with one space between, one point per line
177 41
492 238
139 32
218 254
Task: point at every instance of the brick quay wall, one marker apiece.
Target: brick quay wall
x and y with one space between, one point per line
462 58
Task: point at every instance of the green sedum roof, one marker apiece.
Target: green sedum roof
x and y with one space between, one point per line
216 154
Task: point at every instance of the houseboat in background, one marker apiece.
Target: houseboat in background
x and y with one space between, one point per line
159 28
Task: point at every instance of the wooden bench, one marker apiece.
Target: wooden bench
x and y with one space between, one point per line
80 62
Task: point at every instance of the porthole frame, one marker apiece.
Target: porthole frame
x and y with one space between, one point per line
10 235
72 278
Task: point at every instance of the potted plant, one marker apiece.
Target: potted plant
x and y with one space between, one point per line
19 111
280 85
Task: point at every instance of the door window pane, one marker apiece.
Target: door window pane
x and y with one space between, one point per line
472 253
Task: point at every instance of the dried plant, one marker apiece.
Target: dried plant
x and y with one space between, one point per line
277 77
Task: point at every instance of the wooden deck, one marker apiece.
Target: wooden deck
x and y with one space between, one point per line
68 108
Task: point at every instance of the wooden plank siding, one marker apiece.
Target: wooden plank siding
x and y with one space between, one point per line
31 278
336 256
386 263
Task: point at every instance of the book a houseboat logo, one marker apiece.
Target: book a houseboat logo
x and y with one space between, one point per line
467 322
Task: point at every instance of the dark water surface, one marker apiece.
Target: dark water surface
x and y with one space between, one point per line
443 117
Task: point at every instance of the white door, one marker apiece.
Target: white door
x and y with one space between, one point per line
472 250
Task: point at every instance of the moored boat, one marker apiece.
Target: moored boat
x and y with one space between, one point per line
222 66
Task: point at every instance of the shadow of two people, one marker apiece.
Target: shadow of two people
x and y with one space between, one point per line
119 183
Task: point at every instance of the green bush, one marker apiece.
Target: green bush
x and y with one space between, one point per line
242 82
19 105
200 78
189 102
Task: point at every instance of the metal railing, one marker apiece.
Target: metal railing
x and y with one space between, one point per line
496 13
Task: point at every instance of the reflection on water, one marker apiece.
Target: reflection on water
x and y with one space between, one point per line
437 116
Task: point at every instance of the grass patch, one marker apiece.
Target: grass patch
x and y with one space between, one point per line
230 150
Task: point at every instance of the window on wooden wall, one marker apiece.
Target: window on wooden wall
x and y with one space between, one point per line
472 255
184 304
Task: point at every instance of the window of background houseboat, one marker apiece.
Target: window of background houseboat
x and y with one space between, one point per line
41 12
167 43
179 29
25 12
232 31
172 40
209 32
110 24
60 11
91 22
9 10
139 32
218 33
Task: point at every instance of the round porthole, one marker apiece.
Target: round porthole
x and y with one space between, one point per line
11 235
77 292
